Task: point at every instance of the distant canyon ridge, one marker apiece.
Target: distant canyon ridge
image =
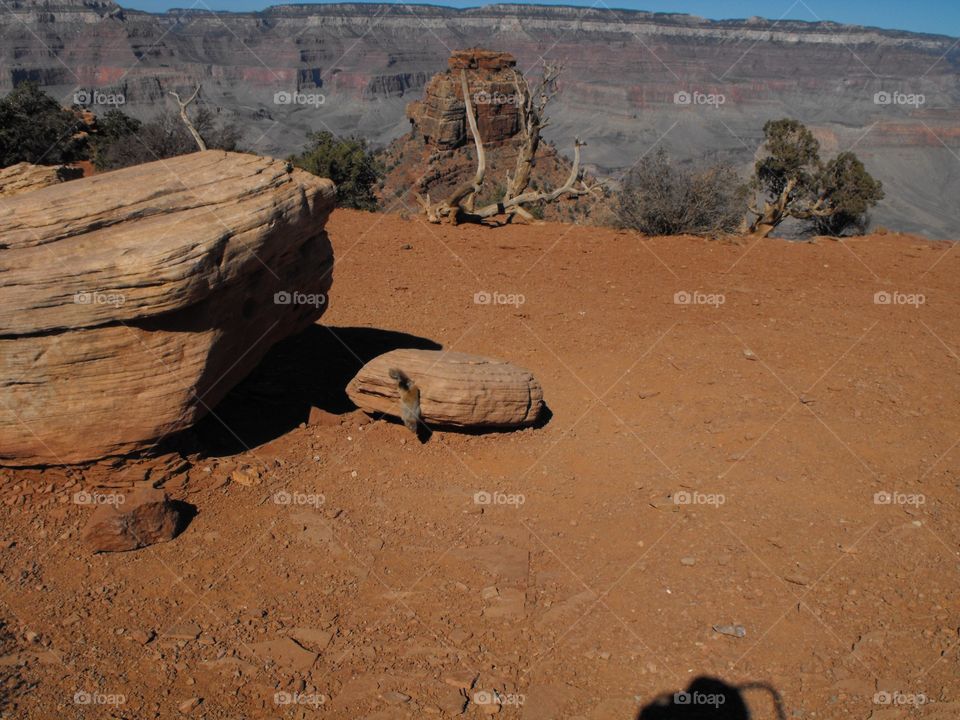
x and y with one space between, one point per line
633 80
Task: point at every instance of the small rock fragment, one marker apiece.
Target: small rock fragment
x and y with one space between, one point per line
145 517
461 678
314 639
142 636
285 653
248 477
453 701
186 631
395 698
189 705
322 418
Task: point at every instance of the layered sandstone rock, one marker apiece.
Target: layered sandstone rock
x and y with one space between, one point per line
456 389
440 118
131 302
24 177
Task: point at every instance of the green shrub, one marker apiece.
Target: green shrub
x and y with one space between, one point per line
346 161
35 128
851 191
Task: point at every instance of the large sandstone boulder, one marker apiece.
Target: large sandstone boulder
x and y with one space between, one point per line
456 389
24 177
441 117
131 302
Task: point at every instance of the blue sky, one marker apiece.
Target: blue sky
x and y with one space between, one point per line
933 16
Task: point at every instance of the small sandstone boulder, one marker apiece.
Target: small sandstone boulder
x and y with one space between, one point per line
456 389
145 517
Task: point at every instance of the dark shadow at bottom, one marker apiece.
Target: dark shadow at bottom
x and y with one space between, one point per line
708 698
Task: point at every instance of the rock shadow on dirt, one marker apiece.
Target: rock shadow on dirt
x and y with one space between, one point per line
311 369
709 698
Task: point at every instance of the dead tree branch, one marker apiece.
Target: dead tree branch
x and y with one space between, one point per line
573 187
184 104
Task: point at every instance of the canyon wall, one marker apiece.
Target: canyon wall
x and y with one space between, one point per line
633 80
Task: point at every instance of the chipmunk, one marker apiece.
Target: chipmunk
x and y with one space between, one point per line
409 401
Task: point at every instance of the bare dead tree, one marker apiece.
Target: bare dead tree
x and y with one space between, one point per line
184 104
531 107
459 205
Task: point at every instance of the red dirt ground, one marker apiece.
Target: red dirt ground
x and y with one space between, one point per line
704 464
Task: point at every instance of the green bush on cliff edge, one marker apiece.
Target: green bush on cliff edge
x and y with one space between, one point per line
346 161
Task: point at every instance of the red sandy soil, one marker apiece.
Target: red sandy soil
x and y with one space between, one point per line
790 406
